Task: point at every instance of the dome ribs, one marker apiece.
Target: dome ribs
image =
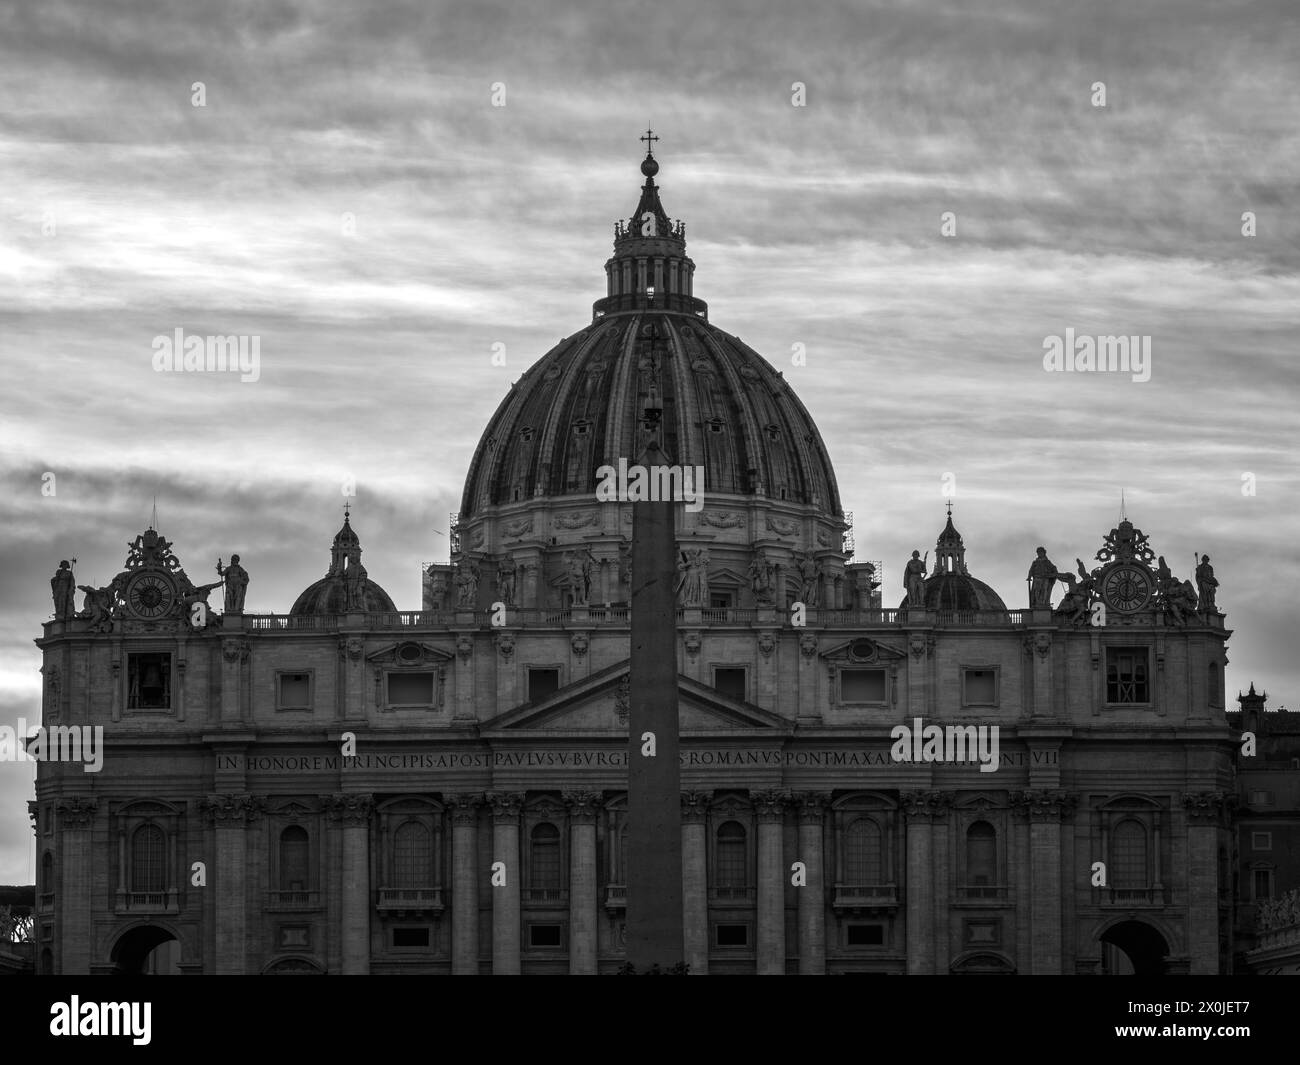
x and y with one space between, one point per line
550 470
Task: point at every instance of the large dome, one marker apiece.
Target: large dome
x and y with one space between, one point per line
725 408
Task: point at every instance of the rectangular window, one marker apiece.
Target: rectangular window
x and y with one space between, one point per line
732 935
542 684
1261 841
1126 675
865 935
545 935
1261 798
294 691
979 687
411 937
721 600
410 689
149 681
730 682
1263 884
862 686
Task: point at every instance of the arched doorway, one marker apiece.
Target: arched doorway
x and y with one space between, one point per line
1133 948
147 950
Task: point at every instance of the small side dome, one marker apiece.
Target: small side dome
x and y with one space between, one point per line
959 591
950 586
345 588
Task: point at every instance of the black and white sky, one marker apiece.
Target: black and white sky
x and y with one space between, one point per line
353 193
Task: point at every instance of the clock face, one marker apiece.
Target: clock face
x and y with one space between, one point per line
150 595
1127 588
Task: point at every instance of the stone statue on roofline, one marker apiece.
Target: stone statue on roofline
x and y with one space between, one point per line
1042 576
914 579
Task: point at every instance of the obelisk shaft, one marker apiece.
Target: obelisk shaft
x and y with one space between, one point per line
654 834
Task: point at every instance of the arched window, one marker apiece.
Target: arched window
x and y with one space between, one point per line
412 856
147 848
544 868
295 851
981 855
1128 856
731 856
862 853
47 874
47 962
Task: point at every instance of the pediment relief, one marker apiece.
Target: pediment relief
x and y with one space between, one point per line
862 652
409 653
600 703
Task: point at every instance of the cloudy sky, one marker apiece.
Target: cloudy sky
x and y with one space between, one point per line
351 192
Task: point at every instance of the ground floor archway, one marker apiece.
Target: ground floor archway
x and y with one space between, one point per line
146 950
1133 948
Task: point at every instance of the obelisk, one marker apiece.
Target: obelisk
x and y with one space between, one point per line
654 832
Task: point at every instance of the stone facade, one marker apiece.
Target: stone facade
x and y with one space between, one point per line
349 788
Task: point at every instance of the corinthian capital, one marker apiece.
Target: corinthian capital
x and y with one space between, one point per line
583 806
926 805
505 805
695 806
1044 804
351 808
1208 807
232 809
464 807
77 812
770 803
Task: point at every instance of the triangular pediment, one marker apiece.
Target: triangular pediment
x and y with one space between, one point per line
862 651
600 703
